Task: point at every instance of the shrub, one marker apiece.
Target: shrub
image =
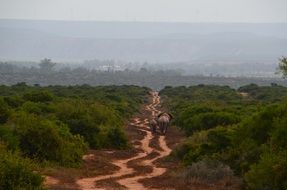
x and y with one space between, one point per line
207 171
4 111
47 140
204 144
219 138
36 108
269 173
39 96
116 138
181 150
210 120
86 119
84 126
31 107
14 101
8 137
279 133
17 173
240 156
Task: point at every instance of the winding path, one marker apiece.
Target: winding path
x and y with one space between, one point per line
127 176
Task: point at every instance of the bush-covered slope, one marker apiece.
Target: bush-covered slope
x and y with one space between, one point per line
245 134
57 124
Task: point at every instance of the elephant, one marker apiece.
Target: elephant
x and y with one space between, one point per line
163 121
153 125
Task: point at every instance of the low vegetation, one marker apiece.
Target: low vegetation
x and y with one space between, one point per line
57 124
155 76
16 172
245 134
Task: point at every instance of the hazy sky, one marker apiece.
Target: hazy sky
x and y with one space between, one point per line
148 10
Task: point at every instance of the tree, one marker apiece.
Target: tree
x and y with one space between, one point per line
283 66
46 65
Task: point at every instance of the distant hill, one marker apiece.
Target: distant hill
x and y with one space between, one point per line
142 41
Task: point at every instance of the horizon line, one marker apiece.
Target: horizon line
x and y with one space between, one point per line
140 21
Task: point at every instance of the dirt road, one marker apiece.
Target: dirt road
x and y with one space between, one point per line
136 165
127 177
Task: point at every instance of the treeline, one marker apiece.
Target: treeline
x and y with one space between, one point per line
49 73
232 134
57 124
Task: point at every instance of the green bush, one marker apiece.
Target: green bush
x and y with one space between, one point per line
85 127
39 96
37 108
269 173
17 173
116 138
4 111
209 120
8 137
204 144
31 107
240 156
207 171
14 101
86 119
47 140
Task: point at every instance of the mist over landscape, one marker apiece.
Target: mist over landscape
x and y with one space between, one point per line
142 41
225 49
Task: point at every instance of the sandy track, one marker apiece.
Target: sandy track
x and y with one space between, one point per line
127 176
50 181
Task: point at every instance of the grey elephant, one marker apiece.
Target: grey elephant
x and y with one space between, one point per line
153 125
163 121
